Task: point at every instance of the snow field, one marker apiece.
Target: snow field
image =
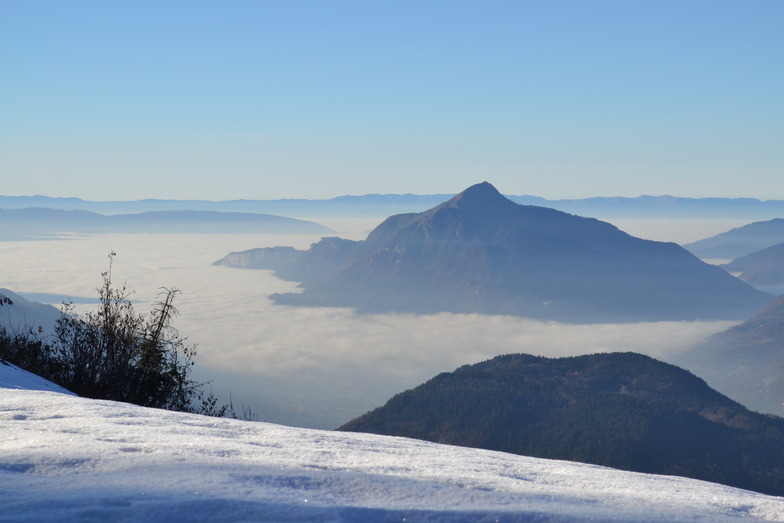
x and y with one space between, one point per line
69 458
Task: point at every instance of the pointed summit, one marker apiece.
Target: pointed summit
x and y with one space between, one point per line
480 197
484 190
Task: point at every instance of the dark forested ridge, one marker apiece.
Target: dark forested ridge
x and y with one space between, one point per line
480 252
621 410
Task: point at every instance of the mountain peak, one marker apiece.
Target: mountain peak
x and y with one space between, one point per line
482 196
483 188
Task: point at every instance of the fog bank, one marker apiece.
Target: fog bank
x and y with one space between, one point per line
316 367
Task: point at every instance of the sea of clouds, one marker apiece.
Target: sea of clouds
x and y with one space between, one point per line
312 367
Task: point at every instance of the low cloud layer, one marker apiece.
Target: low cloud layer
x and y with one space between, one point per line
307 366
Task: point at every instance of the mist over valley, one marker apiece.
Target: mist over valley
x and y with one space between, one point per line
315 367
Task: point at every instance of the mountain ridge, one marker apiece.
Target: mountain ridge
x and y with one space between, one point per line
762 269
740 241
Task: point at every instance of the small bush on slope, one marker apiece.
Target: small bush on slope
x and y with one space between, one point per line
115 354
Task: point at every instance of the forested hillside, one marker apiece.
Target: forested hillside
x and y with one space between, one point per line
622 410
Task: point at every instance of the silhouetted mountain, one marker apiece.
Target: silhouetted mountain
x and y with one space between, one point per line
621 410
746 361
18 223
763 269
740 241
480 252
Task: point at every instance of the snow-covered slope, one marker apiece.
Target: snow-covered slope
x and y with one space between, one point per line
64 458
12 377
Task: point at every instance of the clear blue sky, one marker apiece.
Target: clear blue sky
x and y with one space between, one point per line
120 100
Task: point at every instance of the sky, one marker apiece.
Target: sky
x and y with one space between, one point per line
112 100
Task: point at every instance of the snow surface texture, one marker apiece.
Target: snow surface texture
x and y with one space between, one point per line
64 458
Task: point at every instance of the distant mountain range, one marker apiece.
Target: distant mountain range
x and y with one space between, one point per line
481 252
20 223
387 204
740 241
621 410
746 361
